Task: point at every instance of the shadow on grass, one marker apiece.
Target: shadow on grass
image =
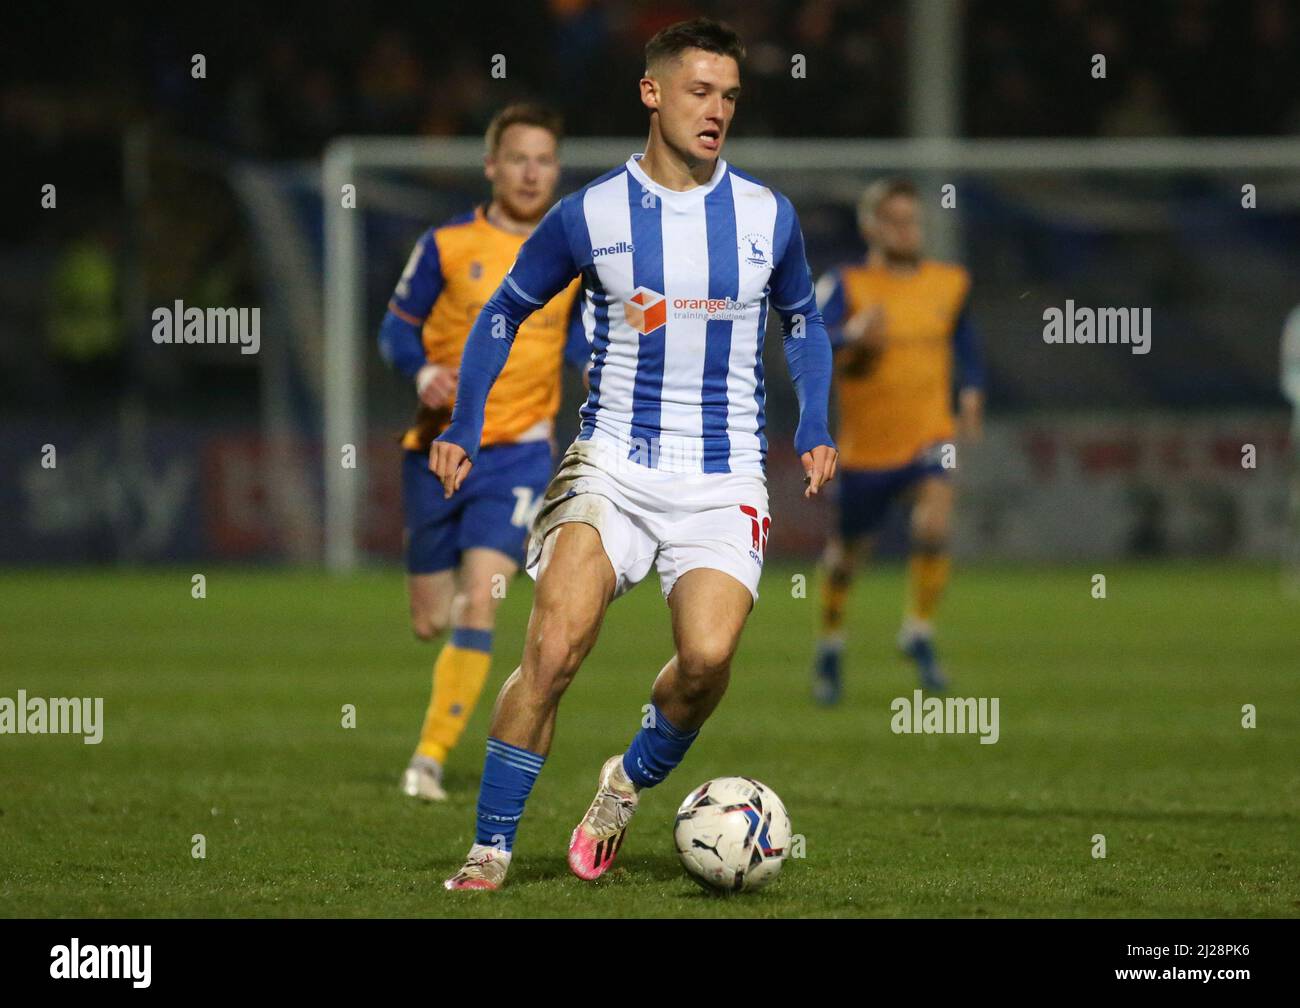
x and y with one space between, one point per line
637 869
656 869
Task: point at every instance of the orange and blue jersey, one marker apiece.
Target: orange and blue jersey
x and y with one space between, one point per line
901 403
452 271
450 275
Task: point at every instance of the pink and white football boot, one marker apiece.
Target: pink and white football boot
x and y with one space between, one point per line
484 868
600 834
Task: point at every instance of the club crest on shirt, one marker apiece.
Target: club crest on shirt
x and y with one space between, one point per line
756 250
475 270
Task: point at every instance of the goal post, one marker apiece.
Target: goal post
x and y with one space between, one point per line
1290 382
842 166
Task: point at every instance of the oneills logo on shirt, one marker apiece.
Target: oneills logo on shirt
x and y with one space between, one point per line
618 248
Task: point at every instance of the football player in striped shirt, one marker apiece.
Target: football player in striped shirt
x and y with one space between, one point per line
457 550
681 256
900 324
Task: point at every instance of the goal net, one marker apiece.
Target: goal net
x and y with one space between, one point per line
1091 449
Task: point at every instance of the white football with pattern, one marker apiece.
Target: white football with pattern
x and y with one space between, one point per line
732 834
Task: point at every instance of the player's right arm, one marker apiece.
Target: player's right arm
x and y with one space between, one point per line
399 334
969 359
577 347
544 267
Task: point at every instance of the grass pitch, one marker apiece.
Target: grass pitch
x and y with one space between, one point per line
1119 717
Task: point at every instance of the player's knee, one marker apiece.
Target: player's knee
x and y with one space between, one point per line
930 534
839 572
558 649
478 605
427 627
550 676
930 545
837 564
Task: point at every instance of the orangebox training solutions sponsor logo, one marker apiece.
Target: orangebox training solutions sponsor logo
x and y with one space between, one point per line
647 310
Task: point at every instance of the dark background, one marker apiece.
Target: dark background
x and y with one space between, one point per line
148 163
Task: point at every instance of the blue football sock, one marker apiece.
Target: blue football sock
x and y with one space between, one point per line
508 776
921 650
656 750
826 677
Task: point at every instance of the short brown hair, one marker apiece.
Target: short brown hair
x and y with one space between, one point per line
881 190
698 33
525 114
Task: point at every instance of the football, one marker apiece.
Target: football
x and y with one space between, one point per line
732 834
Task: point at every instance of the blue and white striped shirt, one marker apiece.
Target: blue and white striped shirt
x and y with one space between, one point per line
676 292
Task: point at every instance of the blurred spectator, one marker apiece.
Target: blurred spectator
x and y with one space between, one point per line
1142 112
77 93
83 327
280 85
390 84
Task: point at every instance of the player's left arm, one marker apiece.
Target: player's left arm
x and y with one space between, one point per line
543 267
577 347
968 356
807 348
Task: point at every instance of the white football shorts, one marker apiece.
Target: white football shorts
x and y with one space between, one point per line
647 517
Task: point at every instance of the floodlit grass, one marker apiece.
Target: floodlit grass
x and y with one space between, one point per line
222 717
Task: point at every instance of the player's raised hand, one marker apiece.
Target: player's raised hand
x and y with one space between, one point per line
450 464
864 341
867 328
436 385
819 468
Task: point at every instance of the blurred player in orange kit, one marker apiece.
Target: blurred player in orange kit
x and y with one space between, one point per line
901 327
458 549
